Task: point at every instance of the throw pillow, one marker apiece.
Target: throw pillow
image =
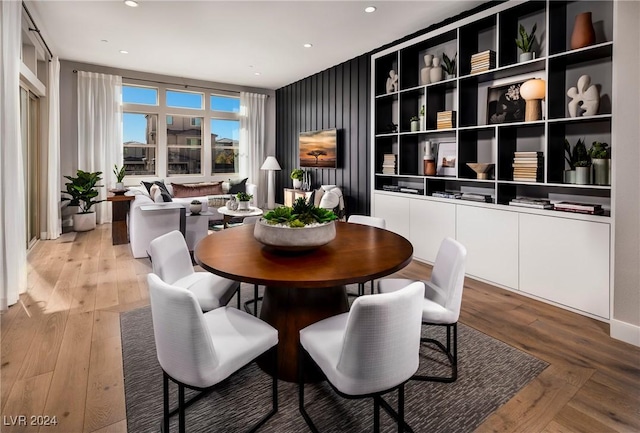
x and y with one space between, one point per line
163 188
236 186
197 189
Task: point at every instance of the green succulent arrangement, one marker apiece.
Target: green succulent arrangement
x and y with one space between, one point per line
297 174
525 40
449 64
299 215
243 196
600 150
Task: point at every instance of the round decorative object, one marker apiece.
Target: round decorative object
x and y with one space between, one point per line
232 203
482 169
195 209
583 32
283 238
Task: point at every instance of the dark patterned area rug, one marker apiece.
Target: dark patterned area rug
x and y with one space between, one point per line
490 373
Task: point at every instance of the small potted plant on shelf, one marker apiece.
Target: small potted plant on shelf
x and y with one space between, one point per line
195 207
570 174
243 200
423 119
525 42
82 192
120 173
600 154
415 124
582 163
449 66
297 174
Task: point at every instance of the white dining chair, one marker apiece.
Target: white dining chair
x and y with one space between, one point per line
171 261
199 350
368 221
442 300
369 351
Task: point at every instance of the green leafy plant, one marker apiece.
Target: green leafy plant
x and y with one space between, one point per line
525 40
449 64
568 156
580 155
414 119
600 150
299 215
243 196
119 172
422 111
297 174
82 190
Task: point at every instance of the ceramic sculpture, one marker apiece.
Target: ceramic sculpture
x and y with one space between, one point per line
585 98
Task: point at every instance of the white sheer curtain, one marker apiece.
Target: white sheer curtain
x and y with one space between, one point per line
252 142
13 230
54 221
100 131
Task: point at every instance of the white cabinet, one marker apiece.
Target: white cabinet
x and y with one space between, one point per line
395 211
491 239
566 261
429 223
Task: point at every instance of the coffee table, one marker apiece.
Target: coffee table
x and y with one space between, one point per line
227 214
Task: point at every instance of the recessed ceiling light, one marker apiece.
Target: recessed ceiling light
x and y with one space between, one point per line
124 52
256 73
131 3
307 45
370 9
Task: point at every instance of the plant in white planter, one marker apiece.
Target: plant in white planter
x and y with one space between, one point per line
195 207
415 124
120 173
525 42
297 175
582 163
449 65
82 192
570 174
243 200
600 154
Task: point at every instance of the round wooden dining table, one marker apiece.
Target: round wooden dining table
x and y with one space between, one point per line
303 287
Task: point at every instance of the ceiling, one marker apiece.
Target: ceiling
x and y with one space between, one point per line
231 41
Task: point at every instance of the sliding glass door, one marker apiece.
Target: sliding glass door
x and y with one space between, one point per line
29 122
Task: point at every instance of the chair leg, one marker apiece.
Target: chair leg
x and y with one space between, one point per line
165 398
447 350
274 393
401 409
181 416
376 414
255 300
373 284
238 296
301 360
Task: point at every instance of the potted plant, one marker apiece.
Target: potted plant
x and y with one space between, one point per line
120 173
82 192
243 200
415 124
195 207
525 42
423 119
600 154
297 174
449 65
569 175
582 163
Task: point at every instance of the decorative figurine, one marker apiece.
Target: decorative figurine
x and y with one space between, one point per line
585 99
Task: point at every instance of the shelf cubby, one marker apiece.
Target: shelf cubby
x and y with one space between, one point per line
409 155
387 110
440 97
410 103
475 146
412 58
474 38
383 66
384 145
562 16
518 138
525 14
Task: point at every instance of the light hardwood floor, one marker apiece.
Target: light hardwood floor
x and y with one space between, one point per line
62 356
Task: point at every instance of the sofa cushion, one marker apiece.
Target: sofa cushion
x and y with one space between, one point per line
166 195
236 186
196 189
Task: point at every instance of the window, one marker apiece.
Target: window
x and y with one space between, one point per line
184 146
139 95
139 132
225 136
225 103
184 99
169 120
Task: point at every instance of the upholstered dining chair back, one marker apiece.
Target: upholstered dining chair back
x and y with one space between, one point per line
183 345
170 257
448 278
382 338
251 220
368 221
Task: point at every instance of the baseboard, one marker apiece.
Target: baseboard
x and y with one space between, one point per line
625 332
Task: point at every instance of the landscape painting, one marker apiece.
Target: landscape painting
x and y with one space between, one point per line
319 148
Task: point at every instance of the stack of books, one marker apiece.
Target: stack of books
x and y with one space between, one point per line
476 197
528 166
410 190
483 61
536 203
389 163
446 120
392 188
569 206
446 194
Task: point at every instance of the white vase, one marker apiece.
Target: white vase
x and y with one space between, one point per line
435 74
195 209
415 125
232 203
525 57
243 205
425 76
297 184
83 222
119 186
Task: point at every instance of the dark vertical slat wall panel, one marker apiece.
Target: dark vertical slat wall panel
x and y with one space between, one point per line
335 98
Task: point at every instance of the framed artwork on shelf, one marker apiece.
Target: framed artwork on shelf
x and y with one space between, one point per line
504 104
446 159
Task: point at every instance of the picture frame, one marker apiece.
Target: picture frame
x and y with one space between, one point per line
447 159
504 104
318 149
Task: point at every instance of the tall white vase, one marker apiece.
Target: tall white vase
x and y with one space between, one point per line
425 76
435 74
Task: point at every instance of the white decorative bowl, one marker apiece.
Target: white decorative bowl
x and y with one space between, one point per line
294 239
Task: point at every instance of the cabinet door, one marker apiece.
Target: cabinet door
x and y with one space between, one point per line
430 223
395 211
566 261
491 239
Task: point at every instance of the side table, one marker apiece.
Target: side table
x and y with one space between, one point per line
228 214
291 195
120 209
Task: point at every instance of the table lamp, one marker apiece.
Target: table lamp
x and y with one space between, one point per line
271 164
533 92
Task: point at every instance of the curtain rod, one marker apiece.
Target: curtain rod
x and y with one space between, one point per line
37 30
186 86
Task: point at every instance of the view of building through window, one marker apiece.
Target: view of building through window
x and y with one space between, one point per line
184 138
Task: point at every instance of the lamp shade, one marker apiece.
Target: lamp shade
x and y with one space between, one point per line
533 89
271 163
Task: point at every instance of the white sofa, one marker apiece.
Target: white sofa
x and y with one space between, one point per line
146 225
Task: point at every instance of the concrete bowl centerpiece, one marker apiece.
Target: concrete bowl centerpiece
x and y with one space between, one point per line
301 227
284 238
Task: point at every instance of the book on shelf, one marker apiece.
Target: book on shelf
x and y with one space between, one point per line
582 211
531 200
570 205
531 205
476 197
393 188
527 153
525 179
410 190
446 194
